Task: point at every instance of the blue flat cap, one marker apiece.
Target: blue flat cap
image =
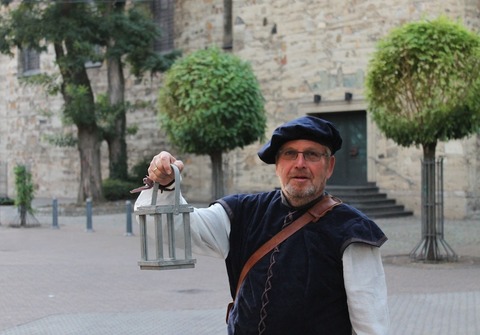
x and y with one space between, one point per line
303 128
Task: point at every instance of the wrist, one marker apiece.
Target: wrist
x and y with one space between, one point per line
167 186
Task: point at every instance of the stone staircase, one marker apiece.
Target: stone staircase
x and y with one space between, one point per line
368 199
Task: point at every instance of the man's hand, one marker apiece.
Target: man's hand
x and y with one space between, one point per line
160 170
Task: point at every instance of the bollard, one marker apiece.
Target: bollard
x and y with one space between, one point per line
55 214
128 205
89 216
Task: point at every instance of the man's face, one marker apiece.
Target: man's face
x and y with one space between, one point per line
303 178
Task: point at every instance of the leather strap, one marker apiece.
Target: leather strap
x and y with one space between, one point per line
312 215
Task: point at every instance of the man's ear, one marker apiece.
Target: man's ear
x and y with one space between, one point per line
331 166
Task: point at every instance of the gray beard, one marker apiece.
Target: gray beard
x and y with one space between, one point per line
298 197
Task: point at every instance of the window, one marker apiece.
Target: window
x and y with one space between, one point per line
29 62
227 25
163 13
95 63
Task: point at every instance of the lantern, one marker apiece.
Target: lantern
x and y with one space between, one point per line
162 226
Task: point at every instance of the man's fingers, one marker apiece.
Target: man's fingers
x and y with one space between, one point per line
160 170
179 164
164 161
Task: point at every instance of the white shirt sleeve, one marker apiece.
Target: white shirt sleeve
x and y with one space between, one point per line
366 289
210 227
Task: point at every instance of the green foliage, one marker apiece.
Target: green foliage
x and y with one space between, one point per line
132 129
73 30
79 110
114 189
139 170
77 30
107 114
24 188
61 140
6 201
211 102
80 32
49 82
423 83
134 32
18 29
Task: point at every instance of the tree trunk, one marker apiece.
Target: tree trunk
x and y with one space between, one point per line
91 176
89 139
117 145
429 202
432 247
23 215
217 175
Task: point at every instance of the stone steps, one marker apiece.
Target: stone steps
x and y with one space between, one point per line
368 199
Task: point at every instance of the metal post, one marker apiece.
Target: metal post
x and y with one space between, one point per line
171 236
128 205
89 216
55 214
142 220
187 232
158 236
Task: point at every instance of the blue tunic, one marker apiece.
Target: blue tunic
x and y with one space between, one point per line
297 288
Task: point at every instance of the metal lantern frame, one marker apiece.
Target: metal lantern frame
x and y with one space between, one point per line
160 262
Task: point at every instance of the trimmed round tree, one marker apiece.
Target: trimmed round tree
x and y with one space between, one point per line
211 103
422 87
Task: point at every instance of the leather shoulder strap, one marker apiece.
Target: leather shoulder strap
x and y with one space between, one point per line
313 214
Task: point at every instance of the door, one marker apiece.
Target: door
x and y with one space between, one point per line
351 159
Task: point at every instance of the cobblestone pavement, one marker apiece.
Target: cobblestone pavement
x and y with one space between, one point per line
70 281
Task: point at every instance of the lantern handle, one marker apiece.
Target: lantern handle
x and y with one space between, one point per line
176 207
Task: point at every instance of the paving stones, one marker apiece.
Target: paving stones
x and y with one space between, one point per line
68 281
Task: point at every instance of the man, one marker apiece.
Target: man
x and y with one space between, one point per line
327 278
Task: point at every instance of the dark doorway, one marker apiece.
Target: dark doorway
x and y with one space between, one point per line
351 160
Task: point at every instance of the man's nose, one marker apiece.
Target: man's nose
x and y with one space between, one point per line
300 160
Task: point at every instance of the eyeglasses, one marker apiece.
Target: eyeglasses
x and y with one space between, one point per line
308 155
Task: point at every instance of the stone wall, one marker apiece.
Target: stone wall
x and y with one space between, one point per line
305 48
297 49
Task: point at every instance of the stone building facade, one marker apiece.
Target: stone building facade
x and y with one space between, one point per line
299 50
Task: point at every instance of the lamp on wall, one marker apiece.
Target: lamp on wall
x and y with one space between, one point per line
317 98
348 96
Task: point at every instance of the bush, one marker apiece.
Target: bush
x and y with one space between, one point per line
6 201
114 189
139 170
117 189
24 188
